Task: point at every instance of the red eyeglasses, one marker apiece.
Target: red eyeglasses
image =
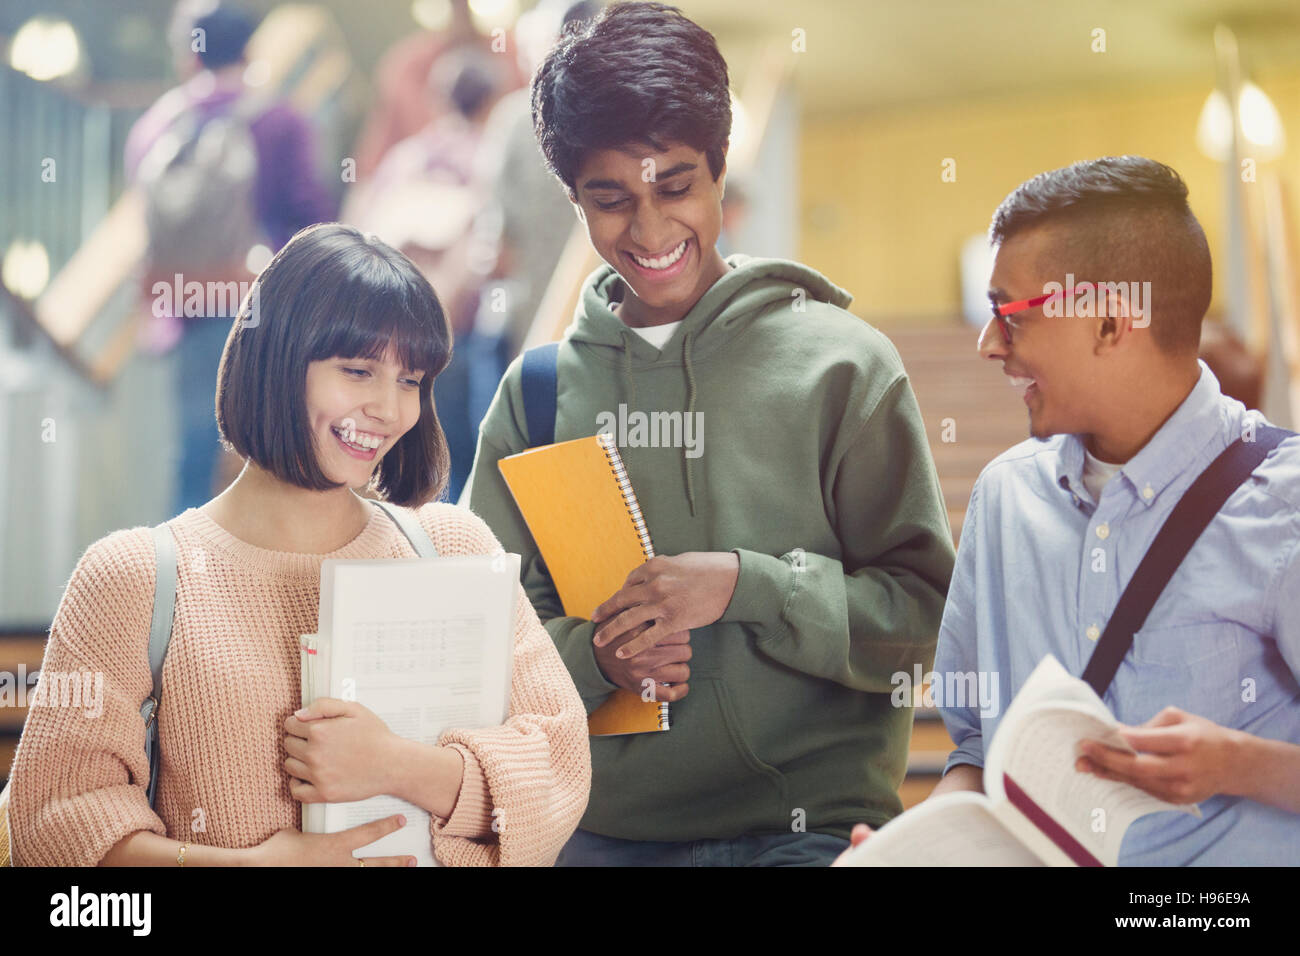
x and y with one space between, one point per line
1002 312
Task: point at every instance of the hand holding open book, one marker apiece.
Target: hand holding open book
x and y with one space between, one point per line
1038 809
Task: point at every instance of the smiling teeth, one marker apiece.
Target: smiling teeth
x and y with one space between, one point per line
359 440
1017 382
663 262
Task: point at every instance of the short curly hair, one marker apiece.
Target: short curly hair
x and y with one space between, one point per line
637 73
1126 219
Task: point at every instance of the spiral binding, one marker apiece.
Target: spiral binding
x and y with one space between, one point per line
610 446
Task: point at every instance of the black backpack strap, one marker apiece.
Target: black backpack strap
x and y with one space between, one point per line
160 635
1194 511
539 380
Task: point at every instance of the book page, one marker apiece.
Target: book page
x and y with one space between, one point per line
956 829
426 645
1036 746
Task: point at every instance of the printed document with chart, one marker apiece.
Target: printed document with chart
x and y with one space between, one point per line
424 643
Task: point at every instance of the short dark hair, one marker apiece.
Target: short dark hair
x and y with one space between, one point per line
1126 218
332 292
636 73
226 32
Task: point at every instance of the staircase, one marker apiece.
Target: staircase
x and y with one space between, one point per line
952 382
965 399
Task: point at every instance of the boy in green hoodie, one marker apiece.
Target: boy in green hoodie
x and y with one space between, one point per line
804 547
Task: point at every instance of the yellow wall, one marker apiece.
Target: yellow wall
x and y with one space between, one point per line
878 220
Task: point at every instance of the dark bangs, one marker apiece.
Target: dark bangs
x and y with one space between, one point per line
380 301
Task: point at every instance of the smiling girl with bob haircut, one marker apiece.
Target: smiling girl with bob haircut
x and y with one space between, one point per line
324 387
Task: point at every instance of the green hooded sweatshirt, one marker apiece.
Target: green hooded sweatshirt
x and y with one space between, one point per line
814 470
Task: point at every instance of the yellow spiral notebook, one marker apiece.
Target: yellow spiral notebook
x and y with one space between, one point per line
579 505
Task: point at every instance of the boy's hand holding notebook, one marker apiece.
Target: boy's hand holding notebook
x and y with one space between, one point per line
579 505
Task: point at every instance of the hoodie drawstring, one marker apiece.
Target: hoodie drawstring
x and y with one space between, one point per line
627 369
690 411
690 403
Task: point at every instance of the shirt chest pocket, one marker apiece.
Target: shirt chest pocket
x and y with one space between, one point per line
1195 667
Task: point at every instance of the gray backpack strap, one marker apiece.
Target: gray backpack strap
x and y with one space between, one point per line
413 530
160 635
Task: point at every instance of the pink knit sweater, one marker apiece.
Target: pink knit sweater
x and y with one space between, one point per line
230 680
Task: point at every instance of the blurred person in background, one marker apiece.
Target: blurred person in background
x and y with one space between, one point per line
735 212
400 107
528 216
423 200
223 169
465 85
505 261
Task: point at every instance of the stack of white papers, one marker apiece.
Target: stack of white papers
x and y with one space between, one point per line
426 644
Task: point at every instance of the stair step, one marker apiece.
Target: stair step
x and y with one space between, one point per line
950 381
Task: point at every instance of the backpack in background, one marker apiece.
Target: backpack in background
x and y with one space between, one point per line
199 180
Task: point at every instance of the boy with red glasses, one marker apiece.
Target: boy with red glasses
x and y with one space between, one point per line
1125 418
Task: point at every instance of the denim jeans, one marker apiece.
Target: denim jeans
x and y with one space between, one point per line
198 355
462 394
766 849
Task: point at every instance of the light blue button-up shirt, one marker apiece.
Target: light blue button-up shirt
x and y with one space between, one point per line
1041 567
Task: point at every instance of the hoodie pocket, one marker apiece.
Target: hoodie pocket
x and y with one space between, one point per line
729 724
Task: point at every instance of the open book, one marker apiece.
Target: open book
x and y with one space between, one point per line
1036 809
425 643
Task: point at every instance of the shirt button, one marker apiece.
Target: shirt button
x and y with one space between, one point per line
1103 531
1094 632
1148 493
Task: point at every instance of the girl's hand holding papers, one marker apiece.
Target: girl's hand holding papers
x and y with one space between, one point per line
295 848
339 751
